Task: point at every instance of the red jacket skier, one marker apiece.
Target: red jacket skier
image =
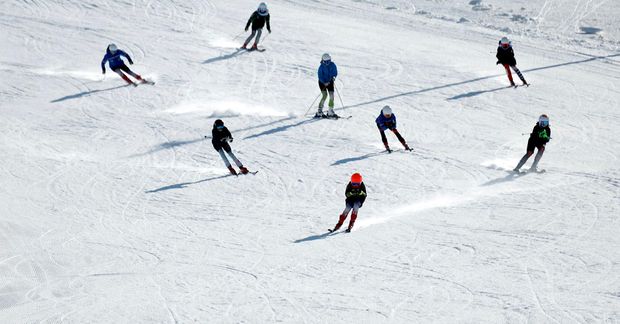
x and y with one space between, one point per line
355 196
506 57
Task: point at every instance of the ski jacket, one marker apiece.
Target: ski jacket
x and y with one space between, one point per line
258 21
506 56
220 136
355 194
385 123
114 59
540 135
327 71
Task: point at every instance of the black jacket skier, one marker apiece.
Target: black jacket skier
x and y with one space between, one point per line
258 19
540 136
506 57
220 138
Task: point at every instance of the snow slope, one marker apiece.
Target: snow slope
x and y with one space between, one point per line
115 209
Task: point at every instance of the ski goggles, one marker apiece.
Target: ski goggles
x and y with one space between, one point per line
219 127
543 123
356 184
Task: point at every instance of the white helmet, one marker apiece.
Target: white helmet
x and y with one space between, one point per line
386 110
112 48
505 42
262 9
543 120
326 57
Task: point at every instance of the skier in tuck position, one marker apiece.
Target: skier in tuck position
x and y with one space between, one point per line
506 57
385 121
113 56
258 19
541 134
328 71
356 195
221 138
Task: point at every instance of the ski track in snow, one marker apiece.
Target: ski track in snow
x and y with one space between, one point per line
115 208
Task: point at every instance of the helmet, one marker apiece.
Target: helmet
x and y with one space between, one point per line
326 57
112 48
504 42
218 123
262 9
386 110
356 178
543 120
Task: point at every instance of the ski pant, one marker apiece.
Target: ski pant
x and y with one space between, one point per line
530 151
514 67
329 88
232 156
395 131
123 68
355 206
256 32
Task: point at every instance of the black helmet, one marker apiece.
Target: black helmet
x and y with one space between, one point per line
218 123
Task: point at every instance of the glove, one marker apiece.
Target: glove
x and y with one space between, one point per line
498 62
103 71
269 30
130 62
230 139
246 28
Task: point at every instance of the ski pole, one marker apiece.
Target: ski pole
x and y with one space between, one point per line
312 104
339 97
265 38
241 33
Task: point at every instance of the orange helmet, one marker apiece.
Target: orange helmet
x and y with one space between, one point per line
356 178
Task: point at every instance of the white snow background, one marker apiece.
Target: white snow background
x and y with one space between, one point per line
115 209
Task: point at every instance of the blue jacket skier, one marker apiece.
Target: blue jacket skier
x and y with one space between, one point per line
327 73
385 121
114 56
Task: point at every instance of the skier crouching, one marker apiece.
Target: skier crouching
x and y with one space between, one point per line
113 55
540 136
506 57
385 121
221 138
258 19
356 195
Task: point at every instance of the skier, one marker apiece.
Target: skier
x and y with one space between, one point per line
220 139
356 195
258 19
541 134
506 56
385 121
113 56
328 71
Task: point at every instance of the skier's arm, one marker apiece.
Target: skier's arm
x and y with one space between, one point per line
103 62
227 135
499 57
122 53
249 21
335 72
268 25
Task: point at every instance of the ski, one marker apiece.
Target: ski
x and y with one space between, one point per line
149 82
256 49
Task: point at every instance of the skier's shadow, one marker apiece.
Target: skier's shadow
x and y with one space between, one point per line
510 177
85 93
476 93
281 128
185 184
357 158
224 57
315 237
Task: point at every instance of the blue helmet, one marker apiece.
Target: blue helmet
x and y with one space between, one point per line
543 120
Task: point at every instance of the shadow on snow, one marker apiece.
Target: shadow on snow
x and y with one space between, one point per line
224 57
357 158
281 128
315 237
86 93
185 184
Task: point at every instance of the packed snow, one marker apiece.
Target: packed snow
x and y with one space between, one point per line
114 207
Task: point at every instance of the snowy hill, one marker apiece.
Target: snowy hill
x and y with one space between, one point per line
114 208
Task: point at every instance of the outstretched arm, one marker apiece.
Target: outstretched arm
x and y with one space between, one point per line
122 53
249 21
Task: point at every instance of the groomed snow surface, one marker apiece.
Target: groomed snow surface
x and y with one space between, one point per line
114 208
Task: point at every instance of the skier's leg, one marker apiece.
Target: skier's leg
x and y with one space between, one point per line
400 138
541 150
507 67
130 72
343 216
247 41
234 158
223 156
356 208
330 90
122 75
523 160
384 138
514 67
323 97
258 33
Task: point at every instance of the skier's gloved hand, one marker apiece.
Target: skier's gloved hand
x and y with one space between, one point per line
130 62
269 30
230 139
246 28
497 63
103 71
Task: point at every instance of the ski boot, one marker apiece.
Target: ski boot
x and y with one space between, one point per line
512 84
387 148
407 147
340 222
351 222
331 114
254 47
243 170
232 170
319 114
